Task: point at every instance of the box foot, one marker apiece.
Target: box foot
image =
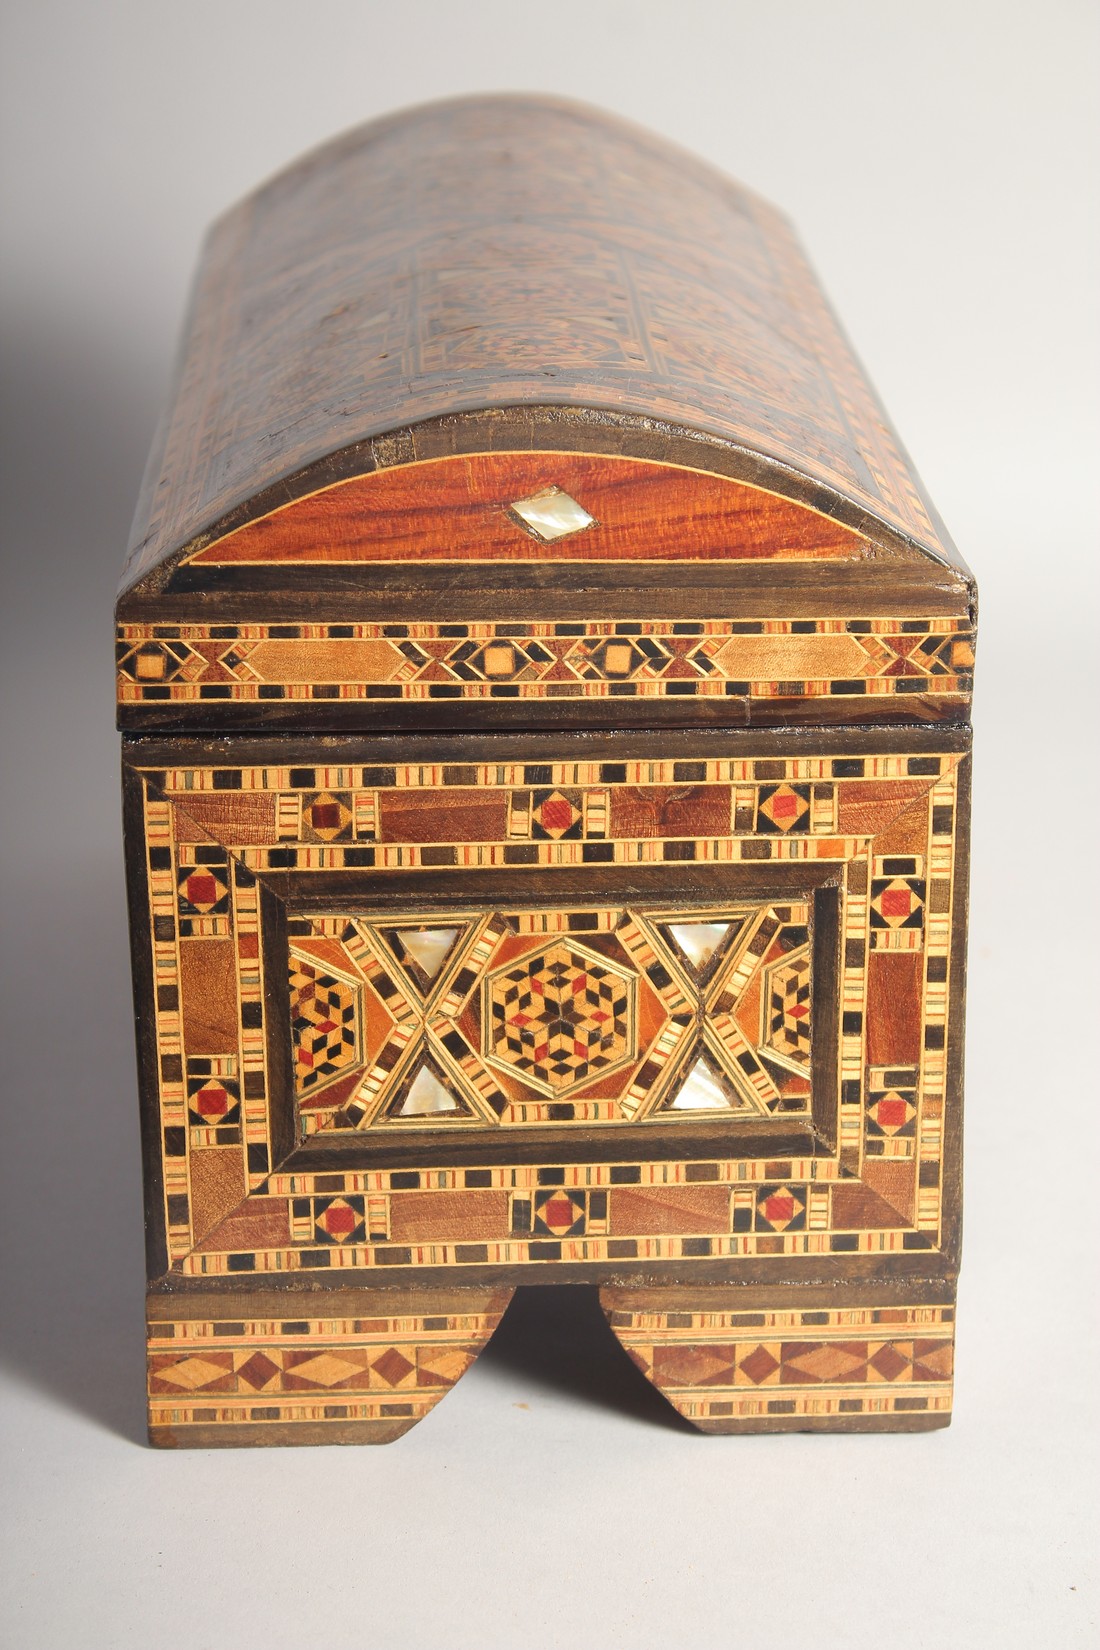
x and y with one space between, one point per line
793 1360
324 1367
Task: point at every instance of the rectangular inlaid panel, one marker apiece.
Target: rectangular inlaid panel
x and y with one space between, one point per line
372 982
547 1016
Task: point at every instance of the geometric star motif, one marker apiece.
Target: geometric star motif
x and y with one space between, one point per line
559 1017
415 1020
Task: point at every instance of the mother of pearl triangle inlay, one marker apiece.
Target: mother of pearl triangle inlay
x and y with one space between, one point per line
427 1096
704 1090
427 949
699 941
742 960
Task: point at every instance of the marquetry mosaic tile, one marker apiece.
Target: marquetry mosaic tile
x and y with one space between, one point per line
287 1019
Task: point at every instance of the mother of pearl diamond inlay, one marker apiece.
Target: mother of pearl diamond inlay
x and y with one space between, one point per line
560 1017
551 514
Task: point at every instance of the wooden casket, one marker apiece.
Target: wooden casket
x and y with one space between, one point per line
545 695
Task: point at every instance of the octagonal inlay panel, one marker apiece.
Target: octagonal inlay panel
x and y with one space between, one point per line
560 1017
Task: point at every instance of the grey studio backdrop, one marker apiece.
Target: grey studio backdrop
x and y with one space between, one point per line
940 161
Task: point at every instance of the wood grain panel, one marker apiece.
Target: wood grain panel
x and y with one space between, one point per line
208 980
457 509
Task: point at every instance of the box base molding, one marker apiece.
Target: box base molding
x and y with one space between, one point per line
361 1366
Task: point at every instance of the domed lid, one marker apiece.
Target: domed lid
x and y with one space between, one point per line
508 358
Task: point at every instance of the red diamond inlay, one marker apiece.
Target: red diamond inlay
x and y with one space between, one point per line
211 1102
201 889
338 1220
560 1211
556 814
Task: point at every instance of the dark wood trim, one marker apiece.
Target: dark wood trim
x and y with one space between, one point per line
274 951
319 592
937 1270
825 1034
382 716
145 1032
542 746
